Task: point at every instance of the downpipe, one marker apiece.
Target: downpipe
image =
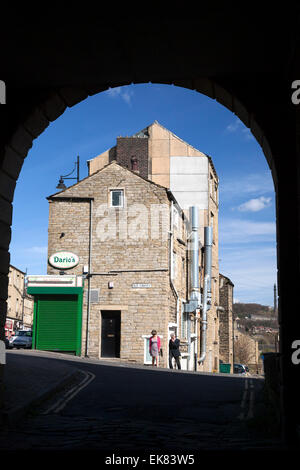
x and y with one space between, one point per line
89 280
194 302
204 320
206 290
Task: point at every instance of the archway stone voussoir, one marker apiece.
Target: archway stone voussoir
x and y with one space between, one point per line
241 112
54 106
3 310
12 163
4 262
5 211
3 287
223 97
21 141
256 130
205 86
7 186
72 96
36 123
5 236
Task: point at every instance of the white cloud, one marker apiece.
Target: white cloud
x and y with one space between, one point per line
245 231
237 185
41 250
255 205
252 270
121 92
248 134
234 126
238 126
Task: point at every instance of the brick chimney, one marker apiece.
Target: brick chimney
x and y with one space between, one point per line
132 153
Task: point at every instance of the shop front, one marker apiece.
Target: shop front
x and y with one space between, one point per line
57 322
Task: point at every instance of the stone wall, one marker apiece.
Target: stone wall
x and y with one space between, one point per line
226 319
19 305
133 241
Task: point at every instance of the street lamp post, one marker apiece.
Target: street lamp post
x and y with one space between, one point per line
61 184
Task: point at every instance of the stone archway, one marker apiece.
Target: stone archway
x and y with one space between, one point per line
256 90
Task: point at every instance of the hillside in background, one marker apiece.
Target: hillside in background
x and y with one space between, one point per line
245 310
259 322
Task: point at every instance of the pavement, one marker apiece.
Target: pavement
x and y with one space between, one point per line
28 382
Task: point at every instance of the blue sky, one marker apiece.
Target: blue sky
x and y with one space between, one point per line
247 221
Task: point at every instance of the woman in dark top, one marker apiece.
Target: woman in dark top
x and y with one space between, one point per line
174 344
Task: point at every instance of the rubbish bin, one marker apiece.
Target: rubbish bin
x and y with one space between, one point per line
225 368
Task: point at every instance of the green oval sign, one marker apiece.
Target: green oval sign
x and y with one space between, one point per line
63 260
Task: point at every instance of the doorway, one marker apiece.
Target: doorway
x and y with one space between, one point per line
110 333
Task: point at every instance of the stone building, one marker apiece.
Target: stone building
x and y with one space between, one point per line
226 331
128 222
19 304
159 155
130 283
246 351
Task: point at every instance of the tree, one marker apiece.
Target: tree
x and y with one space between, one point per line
244 350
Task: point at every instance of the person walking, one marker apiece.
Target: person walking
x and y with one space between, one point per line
174 351
154 347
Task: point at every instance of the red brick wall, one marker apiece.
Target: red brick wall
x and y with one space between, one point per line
133 147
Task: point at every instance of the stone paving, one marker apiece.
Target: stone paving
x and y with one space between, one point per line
63 432
112 432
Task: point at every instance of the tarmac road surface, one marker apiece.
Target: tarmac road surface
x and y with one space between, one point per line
118 407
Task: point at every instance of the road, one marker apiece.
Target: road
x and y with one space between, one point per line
120 407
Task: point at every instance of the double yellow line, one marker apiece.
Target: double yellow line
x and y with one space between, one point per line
248 396
70 394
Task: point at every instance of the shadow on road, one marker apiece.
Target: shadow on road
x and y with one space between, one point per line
108 405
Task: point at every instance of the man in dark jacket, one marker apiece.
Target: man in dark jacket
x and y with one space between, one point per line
174 344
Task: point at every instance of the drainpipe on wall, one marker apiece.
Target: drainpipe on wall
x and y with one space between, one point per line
195 299
89 280
171 262
206 288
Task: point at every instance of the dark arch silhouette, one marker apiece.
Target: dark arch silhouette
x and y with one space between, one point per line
241 61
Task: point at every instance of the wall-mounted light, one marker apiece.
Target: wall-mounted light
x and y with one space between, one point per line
110 285
85 269
61 184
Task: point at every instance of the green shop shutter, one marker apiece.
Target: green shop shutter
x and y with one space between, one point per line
57 322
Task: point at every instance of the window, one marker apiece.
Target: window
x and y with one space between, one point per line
212 225
117 198
184 322
216 193
175 217
174 266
